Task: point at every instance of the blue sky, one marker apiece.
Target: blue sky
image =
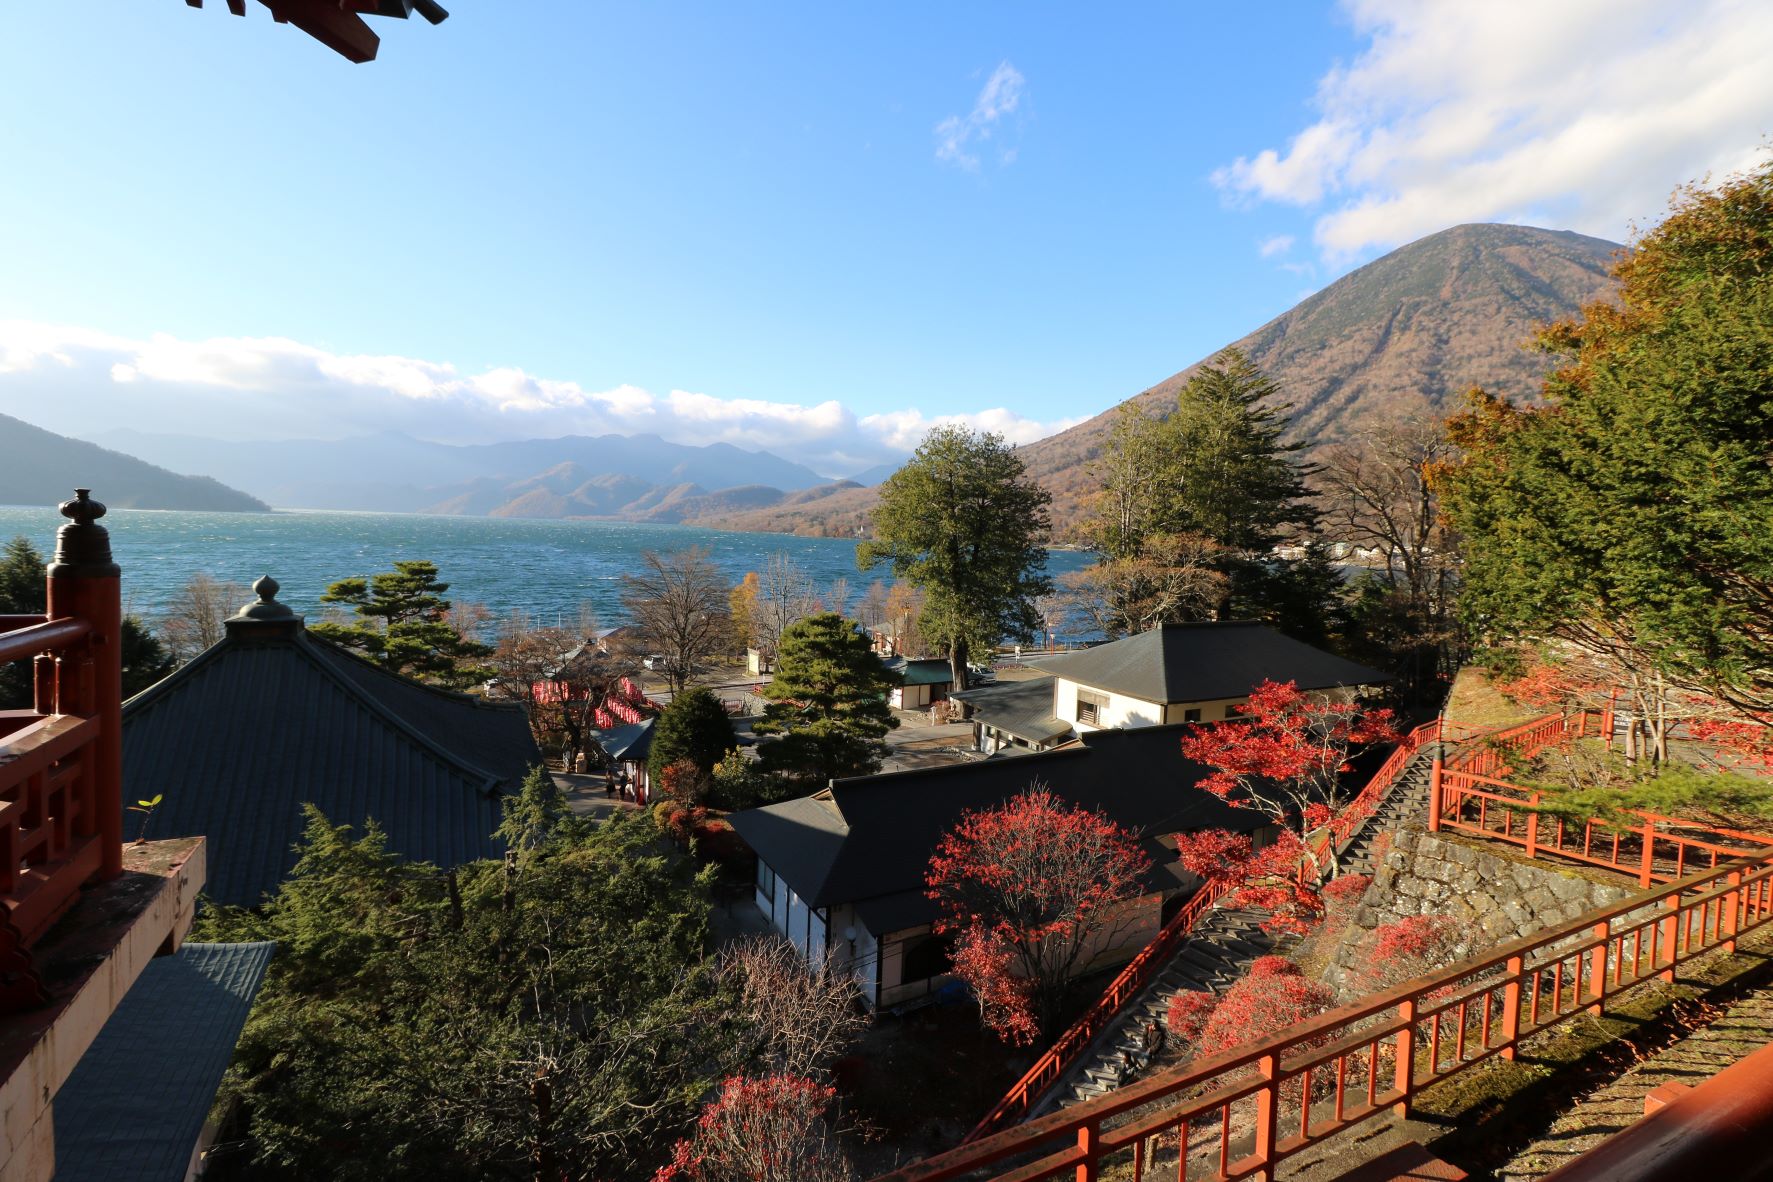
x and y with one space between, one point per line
812 228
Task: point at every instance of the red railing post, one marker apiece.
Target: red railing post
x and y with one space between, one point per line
1647 860
1268 1113
1597 967
1511 1006
84 583
1671 935
1434 793
1732 910
1533 826
1089 1139
1404 1077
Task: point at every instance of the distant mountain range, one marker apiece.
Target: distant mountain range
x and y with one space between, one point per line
637 478
38 467
1400 338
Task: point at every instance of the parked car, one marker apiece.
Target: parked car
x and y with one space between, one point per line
657 662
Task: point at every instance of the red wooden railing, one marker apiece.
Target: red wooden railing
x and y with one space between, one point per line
1242 1113
61 809
1126 985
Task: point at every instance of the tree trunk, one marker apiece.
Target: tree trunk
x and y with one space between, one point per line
957 663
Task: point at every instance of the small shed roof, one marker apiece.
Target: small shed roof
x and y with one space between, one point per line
919 670
133 1108
630 743
1020 708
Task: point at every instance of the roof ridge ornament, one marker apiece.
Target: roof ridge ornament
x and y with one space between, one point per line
266 616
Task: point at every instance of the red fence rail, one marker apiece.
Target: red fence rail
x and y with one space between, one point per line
61 809
1240 1114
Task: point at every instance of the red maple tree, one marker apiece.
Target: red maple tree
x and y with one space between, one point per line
1272 995
763 1129
1286 756
1031 889
1414 947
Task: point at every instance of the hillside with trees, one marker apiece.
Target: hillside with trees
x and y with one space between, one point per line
1398 339
39 467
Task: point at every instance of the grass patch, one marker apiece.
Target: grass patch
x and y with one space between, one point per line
1474 702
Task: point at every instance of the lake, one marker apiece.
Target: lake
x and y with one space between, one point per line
547 568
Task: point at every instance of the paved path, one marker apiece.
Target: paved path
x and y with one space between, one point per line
585 794
1745 1027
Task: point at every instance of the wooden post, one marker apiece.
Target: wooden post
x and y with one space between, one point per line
1511 1006
1670 935
1404 1077
1434 792
1647 860
1268 1113
1597 968
1732 917
83 582
1533 826
1089 1141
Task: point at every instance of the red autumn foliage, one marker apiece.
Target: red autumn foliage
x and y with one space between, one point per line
767 1129
1751 741
1543 686
1414 946
1262 1003
1038 884
1346 890
1188 1014
1006 1002
1268 878
1287 752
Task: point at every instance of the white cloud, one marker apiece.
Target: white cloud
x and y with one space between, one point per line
69 379
1270 247
958 136
1578 115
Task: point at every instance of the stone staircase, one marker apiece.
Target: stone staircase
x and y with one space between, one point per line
1214 956
1404 807
1218 952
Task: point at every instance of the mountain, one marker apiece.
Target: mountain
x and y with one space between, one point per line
1402 337
399 474
568 490
38 467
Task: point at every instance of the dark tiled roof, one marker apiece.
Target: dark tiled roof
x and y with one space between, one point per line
259 724
886 827
133 1108
1204 662
1022 708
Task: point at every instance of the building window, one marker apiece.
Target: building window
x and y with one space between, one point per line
1089 706
1191 715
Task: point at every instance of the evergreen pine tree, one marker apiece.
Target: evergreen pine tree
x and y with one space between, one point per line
828 703
694 726
405 626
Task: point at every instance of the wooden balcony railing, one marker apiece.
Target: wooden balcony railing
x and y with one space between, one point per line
1242 1113
61 808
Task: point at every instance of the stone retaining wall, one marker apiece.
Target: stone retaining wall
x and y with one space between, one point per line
1424 874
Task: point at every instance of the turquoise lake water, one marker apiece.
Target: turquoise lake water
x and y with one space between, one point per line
547 568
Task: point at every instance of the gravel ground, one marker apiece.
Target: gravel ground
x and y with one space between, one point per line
1745 1027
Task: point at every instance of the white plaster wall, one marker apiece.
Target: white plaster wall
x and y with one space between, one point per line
1120 712
1210 711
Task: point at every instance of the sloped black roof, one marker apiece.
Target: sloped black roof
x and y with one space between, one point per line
272 717
870 843
1022 708
1204 662
134 1107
